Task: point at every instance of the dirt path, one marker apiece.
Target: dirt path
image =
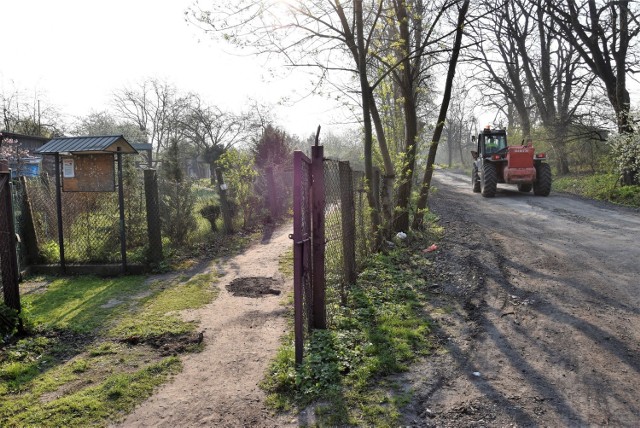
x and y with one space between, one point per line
242 330
538 308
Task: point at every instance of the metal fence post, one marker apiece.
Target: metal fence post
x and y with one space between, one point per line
318 240
153 216
8 256
123 234
63 266
348 216
298 261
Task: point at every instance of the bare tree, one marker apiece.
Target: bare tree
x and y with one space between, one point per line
604 33
104 123
29 115
555 76
212 131
157 108
500 80
433 147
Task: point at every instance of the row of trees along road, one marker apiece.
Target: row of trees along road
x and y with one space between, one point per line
558 63
547 63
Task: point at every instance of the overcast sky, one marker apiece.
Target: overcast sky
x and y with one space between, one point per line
76 53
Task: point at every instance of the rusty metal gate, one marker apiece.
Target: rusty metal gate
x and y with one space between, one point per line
309 245
302 293
8 257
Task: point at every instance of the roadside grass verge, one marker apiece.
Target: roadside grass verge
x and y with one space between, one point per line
96 348
347 372
599 186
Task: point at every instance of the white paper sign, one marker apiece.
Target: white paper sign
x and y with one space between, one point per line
68 170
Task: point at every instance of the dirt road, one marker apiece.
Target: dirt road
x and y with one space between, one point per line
218 387
538 306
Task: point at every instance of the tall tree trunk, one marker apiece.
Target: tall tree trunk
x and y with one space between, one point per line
408 86
433 148
388 178
366 117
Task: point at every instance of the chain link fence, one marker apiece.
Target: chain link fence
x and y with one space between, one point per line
348 233
90 222
186 214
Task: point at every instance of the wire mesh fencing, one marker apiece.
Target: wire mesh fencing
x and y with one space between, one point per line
90 222
183 215
347 230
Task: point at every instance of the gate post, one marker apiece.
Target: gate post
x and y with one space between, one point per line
298 255
8 256
318 237
63 266
123 230
153 216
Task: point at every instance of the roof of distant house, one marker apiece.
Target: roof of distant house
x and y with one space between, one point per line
88 145
6 134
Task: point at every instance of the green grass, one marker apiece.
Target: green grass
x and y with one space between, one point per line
159 313
96 403
76 368
285 263
82 304
346 368
599 186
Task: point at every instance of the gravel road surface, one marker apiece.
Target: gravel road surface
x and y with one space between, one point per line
537 302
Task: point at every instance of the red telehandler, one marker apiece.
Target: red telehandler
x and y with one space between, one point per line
496 162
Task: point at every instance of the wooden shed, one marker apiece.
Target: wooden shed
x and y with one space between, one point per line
88 162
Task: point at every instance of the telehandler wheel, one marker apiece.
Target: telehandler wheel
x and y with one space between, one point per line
525 187
542 185
475 180
489 181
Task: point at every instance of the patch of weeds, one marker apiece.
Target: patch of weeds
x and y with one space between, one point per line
599 186
23 363
9 321
285 263
105 348
79 365
158 313
115 395
380 331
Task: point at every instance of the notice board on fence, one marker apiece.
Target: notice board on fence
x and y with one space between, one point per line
88 173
